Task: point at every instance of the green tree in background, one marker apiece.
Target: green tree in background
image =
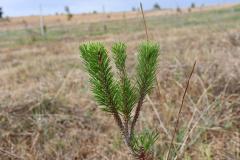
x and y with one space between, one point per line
1 13
156 6
69 14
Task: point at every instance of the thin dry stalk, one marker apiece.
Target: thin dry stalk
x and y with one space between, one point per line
159 118
140 102
144 21
191 124
35 141
180 110
190 130
9 154
192 107
186 136
65 80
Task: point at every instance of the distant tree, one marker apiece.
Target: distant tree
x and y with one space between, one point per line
193 5
134 9
156 6
66 8
69 14
1 13
94 12
179 10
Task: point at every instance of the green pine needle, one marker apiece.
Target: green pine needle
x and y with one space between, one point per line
145 140
119 55
147 66
104 87
128 92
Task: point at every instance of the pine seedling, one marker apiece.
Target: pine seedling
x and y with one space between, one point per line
143 142
121 96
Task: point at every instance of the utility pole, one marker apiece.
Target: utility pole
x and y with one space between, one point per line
103 9
41 22
105 28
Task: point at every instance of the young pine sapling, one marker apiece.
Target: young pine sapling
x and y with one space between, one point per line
120 96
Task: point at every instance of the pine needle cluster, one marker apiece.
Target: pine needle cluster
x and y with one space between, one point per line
122 96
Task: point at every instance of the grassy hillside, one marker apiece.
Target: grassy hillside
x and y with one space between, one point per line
47 111
221 19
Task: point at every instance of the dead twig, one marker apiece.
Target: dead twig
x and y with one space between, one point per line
180 110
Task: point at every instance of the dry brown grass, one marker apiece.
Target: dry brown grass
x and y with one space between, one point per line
53 20
47 112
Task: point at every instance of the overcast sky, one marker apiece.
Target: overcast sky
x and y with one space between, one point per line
31 7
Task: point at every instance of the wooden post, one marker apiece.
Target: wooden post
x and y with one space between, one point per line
41 22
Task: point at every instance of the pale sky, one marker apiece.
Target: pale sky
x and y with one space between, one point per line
31 7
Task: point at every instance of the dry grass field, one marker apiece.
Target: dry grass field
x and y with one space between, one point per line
47 111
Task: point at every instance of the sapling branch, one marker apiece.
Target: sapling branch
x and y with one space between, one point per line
146 73
128 92
103 85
